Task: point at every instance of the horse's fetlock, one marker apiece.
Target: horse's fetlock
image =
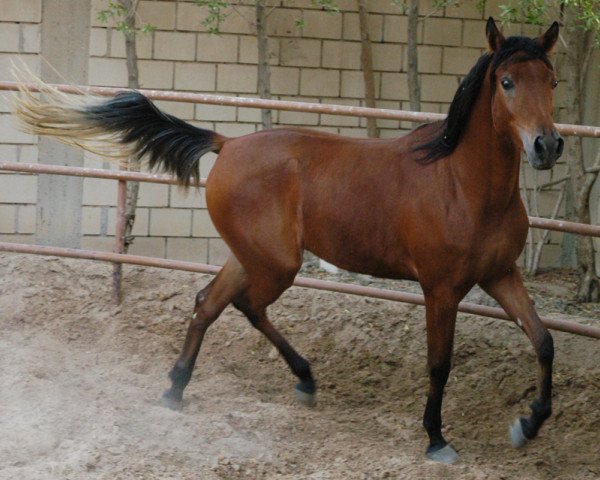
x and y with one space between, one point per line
439 373
541 410
528 429
302 368
180 376
431 425
307 386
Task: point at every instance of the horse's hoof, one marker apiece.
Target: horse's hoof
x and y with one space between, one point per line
171 402
305 398
517 436
445 454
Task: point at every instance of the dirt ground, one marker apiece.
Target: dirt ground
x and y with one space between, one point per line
81 381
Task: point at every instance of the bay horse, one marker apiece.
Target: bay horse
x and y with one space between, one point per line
440 205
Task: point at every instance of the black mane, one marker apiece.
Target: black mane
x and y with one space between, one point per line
455 123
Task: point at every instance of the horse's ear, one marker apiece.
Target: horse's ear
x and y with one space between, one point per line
494 37
548 39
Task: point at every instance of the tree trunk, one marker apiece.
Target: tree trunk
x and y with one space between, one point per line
133 82
581 181
264 69
568 246
414 89
525 197
366 63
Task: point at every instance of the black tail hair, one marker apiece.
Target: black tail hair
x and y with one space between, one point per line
169 142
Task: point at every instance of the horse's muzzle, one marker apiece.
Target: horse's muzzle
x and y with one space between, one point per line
543 152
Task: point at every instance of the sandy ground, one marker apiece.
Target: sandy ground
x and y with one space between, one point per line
81 381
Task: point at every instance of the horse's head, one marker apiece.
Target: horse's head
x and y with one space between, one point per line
522 81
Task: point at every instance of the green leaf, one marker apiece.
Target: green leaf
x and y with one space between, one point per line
328 5
216 14
117 12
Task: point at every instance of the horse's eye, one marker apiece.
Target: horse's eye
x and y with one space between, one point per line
554 83
507 83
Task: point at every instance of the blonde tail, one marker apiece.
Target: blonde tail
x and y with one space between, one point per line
126 125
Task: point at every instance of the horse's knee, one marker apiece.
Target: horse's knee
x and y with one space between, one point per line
180 376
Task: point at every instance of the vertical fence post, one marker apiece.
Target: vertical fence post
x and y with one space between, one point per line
119 240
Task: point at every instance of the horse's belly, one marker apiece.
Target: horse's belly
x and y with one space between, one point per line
361 252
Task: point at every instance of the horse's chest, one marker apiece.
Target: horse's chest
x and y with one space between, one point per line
499 247
472 249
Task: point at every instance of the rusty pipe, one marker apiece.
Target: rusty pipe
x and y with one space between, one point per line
535 222
465 307
345 110
35 168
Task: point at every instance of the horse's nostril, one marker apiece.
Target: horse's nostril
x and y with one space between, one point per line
539 146
560 146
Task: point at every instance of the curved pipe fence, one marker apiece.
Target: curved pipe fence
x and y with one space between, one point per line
123 176
345 110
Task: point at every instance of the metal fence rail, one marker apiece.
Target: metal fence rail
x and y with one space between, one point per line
34 168
123 176
345 110
406 297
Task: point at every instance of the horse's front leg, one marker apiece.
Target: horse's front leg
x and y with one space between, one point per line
441 308
509 291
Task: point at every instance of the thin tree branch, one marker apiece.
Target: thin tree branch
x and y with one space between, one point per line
585 62
546 185
414 89
264 69
525 198
366 63
537 254
235 9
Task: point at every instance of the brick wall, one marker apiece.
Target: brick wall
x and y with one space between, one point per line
19 39
320 63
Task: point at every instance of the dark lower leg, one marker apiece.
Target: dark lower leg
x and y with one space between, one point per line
441 309
541 407
432 419
297 364
510 293
181 372
299 367
210 302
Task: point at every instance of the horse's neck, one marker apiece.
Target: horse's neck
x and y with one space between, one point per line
487 163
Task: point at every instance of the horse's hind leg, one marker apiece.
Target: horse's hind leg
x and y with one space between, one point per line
511 294
210 302
306 388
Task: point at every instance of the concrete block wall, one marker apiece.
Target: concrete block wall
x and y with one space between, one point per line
320 63
19 42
